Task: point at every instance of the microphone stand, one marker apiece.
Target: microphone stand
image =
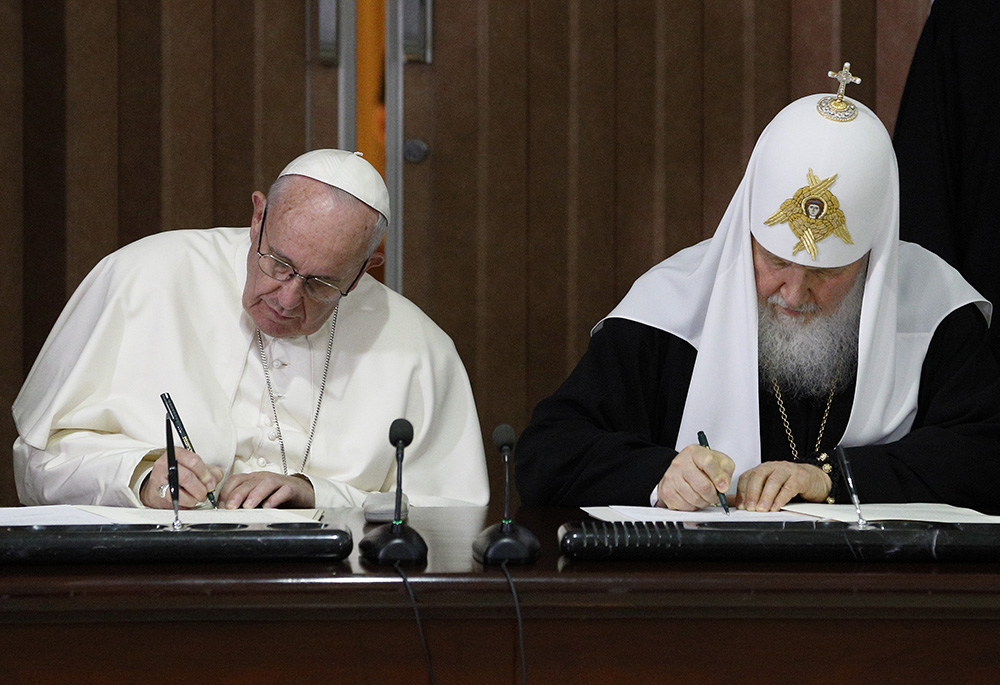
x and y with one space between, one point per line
506 541
395 542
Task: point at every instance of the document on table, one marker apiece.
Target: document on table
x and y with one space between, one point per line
627 513
917 511
68 515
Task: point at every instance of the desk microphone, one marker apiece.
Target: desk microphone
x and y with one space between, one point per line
395 542
505 541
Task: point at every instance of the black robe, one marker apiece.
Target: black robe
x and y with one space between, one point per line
948 146
608 434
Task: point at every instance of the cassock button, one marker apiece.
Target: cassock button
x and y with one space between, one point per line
261 461
272 435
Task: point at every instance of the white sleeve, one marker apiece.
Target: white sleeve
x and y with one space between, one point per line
79 467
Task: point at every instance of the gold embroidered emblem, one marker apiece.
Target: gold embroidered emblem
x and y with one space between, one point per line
813 214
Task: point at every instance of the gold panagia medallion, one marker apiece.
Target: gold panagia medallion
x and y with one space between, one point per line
813 214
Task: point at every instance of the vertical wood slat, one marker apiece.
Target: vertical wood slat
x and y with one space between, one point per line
593 171
548 192
139 120
233 139
726 70
44 235
91 135
187 114
12 161
279 87
500 278
898 25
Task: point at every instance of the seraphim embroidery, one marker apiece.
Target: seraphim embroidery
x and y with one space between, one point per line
813 214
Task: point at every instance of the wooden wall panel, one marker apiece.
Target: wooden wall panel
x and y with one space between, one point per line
501 281
898 25
279 87
91 135
44 171
12 231
466 205
727 72
591 172
139 71
186 107
233 128
551 124
679 171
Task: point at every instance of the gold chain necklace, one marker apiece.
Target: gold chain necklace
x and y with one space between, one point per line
821 457
788 428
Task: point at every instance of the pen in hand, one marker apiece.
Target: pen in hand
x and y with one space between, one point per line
185 440
703 441
172 478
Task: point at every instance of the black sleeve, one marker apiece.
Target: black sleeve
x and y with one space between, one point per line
607 435
952 454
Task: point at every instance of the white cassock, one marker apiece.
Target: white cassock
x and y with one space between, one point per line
164 314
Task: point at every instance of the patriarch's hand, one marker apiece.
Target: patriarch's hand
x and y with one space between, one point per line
773 484
694 478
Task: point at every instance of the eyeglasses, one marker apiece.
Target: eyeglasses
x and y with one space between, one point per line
314 287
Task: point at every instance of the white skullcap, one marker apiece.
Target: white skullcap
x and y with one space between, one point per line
848 166
345 170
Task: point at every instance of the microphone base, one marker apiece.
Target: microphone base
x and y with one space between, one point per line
515 545
390 544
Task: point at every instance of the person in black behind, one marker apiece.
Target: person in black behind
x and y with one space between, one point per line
948 146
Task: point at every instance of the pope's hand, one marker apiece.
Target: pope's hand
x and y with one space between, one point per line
266 489
195 477
694 478
773 484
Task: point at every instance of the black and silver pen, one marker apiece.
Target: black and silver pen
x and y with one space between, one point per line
185 440
172 478
703 441
846 466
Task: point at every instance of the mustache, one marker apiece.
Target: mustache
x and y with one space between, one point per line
777 300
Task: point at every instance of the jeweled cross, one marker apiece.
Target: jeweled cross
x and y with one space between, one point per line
844 76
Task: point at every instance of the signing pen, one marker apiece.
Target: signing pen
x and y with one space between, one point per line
846 468
185 440
172 478
703 441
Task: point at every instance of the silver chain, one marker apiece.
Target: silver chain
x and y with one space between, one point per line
319 402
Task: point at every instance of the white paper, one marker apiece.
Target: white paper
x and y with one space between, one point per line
50 515
916 511
629 513
65 515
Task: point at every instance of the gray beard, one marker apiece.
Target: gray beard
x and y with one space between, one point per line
810 359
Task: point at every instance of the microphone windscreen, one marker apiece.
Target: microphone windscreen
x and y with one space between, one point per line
401 431
503 436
